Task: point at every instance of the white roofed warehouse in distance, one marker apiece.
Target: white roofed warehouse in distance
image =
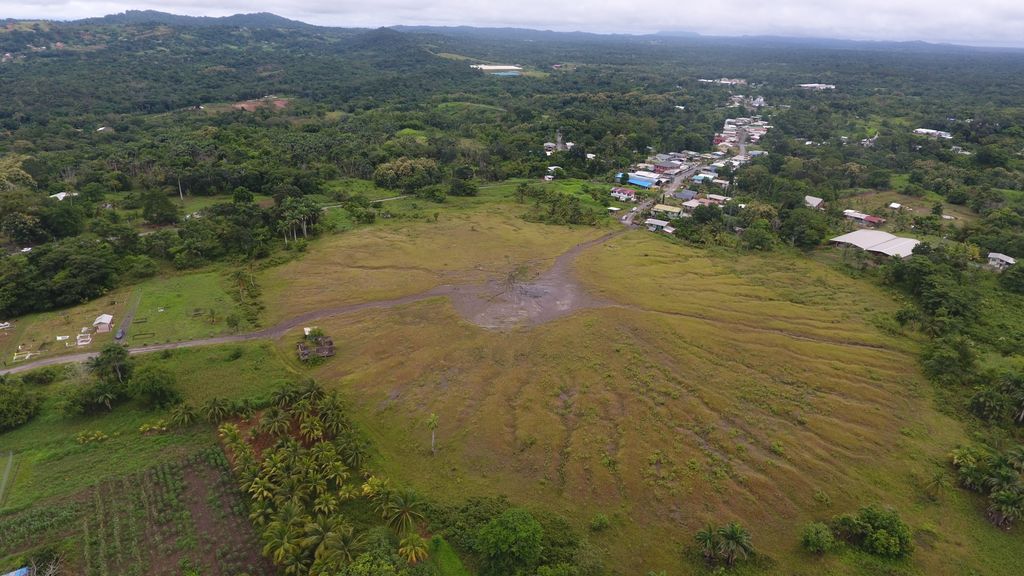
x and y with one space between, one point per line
878 242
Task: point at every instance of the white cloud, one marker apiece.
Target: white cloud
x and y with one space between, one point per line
985 22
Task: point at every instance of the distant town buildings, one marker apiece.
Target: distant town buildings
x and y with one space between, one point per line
816 86
724 81
932 133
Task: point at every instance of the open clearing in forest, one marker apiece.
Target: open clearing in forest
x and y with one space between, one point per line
402 258
695 386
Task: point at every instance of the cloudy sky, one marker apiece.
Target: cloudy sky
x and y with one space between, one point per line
980 22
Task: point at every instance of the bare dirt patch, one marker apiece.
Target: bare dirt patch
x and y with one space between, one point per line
253 105
511 302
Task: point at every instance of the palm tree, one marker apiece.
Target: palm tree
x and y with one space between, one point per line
216 409
311 391
413 548
182 415
734 543
348 492
281 541
1005 507
707 539
1015 457
936 485
284 396
230 433
432 425
317 530
275 422
403 511
343 546
262 489
311 428
326 504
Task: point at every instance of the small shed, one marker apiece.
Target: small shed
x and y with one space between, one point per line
103 323
813 202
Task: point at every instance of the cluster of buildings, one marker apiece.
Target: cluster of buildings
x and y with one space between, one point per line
933 133
817 86
862 218
724 81
559 145
737 132
749 102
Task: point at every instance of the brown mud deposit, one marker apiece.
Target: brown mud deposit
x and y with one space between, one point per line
553 294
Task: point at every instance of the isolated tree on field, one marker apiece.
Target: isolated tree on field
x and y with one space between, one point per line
734 543
707 541
112 364
432 425
182 415
937 485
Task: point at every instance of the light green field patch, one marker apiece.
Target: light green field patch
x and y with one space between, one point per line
182 308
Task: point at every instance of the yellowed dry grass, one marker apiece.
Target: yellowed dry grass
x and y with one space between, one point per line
400 258
719 388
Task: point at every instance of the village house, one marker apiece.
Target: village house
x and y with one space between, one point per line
103 323
666 210
655 225
1000 261
814 202
718 199
863 219
623 194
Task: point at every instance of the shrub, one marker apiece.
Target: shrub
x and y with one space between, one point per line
17 405
817 538
510 543
599 523
875 530
155 387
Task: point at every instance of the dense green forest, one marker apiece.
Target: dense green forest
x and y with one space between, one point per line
144 144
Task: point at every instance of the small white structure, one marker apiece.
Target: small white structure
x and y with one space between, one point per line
933 133
614 209
103 323
5 325
654 225
1000 261
497 68
60 196
814 202
83 339
816 86
878 242
895 206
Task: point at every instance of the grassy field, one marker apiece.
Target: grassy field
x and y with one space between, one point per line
37 333
761 389
402 257
51 462
179 308
878 202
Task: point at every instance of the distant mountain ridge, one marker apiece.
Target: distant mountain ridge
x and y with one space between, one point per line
253 20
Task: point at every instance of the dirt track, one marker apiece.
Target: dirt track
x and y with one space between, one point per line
494 304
